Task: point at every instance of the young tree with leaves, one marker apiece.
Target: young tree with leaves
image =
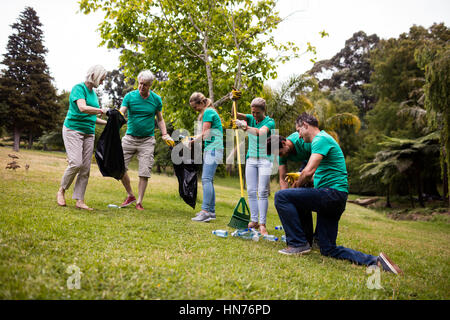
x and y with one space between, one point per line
206 46
28 95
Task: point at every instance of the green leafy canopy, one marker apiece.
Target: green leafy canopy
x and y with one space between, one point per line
207 46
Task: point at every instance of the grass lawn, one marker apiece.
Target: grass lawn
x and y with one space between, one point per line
161 254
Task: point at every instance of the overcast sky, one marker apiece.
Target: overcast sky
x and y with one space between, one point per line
72 40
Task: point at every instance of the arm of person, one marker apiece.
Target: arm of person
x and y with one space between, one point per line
239 116
100 121
83 107
161 123
258 132
309 170
205 132
124 110
282 170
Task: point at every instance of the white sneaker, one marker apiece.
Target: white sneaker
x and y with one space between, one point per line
202 216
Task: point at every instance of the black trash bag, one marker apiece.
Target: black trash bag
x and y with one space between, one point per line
186 173
109 153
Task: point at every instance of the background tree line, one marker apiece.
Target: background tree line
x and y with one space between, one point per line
384 100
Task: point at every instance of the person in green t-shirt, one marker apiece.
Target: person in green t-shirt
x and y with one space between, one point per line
328 198
293 148
211 133
142 106
258 166
78 135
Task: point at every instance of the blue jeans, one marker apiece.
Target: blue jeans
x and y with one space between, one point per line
211 159
257 175
293 204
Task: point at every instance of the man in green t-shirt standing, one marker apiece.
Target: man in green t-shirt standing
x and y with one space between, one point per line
142 106
328 198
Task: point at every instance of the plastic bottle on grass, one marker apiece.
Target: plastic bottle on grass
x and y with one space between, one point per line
283 238
270 237
279 228
115 206
246 234
220 233
239 232
250 236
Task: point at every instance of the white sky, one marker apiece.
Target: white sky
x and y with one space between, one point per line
72 40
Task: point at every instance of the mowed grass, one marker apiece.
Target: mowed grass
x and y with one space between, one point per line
161 254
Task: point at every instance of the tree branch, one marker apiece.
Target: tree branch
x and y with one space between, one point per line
193 53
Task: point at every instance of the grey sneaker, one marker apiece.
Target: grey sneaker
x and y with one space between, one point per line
212 216
387 264
296 250
202 216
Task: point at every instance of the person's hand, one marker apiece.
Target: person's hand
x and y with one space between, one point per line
291 177
103 111
168 140
240 124
235 94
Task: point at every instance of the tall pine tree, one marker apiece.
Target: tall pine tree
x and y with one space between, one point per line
27 95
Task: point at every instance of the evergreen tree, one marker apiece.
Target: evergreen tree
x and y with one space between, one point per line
26 91
350 68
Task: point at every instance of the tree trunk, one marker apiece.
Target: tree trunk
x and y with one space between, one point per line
388 196
17 133
410 193
30 141
419 190
445 185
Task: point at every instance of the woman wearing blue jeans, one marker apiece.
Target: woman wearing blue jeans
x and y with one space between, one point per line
212 134
258 166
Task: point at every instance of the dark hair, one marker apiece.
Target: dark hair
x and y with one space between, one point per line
276 140
308 118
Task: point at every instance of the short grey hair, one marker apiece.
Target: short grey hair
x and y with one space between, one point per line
259 103
146 75
95 74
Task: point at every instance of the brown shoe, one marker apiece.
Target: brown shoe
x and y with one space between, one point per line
254 225
263 230
60 199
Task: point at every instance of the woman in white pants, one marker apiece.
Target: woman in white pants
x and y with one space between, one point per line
258 165
78 135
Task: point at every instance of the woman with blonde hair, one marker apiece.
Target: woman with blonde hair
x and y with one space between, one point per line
78 135
212 133
258 166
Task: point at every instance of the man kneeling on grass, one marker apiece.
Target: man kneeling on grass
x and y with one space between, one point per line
328 198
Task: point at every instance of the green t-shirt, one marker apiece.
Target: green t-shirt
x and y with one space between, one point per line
141 113
256 146
331 172
77 120
215 141
302 150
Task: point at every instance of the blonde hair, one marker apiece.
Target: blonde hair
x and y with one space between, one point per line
198 97
95 74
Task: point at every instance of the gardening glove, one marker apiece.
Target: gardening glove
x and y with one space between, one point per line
240 124
291 177
235 94
168 140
